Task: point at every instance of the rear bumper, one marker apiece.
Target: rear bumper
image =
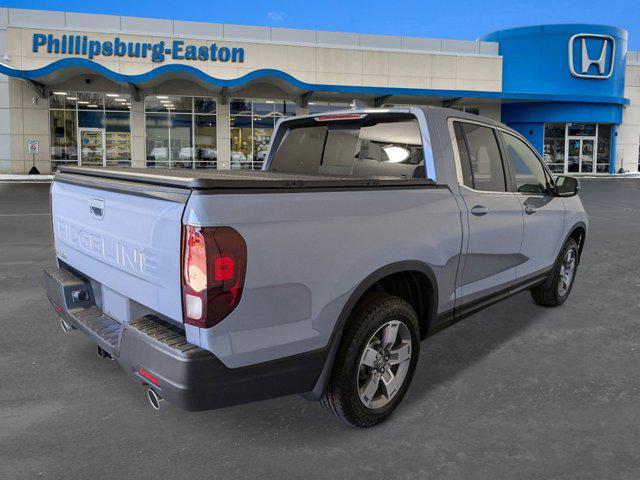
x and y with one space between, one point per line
184 374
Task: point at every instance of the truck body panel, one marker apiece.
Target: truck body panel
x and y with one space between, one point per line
308 251
128 244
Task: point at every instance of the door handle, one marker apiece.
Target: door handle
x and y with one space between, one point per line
479 210
529 209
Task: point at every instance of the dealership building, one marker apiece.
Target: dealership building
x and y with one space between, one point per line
122 91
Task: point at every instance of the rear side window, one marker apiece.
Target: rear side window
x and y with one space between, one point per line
480 157
529 172
384 148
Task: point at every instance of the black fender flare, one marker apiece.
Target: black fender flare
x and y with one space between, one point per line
577 225
354 298
584 238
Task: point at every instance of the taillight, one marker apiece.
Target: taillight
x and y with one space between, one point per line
214 267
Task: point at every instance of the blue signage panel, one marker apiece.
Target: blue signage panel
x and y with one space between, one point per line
157 52
571 59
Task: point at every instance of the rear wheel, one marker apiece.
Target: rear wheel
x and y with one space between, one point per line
555 290
375 361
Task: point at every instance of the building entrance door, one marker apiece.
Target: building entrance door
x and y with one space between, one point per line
91 147
579 155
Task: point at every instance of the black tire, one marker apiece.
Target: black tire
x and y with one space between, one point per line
547 294
341 395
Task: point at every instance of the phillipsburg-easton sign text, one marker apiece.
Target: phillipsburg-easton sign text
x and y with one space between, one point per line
157 52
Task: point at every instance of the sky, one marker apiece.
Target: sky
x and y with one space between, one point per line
452 19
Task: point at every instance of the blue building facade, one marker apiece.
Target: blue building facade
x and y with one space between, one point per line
582 67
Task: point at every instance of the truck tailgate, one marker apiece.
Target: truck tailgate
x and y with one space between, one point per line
128 243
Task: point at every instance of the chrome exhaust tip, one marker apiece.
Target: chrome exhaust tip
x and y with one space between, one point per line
66 326
155 400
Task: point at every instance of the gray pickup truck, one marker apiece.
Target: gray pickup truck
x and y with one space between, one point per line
366 232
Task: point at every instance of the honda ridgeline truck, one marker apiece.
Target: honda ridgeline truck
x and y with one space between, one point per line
366 232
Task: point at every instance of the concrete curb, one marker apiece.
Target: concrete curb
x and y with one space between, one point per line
25 178
608 176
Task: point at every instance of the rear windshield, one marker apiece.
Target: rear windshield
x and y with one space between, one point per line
366 148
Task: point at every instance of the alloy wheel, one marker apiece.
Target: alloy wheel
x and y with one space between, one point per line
567 271
384 364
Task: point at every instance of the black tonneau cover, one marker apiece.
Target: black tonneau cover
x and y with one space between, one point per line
239 179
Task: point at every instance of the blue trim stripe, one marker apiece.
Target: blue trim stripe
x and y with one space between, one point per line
278 74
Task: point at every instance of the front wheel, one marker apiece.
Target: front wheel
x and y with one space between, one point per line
375 361
555 290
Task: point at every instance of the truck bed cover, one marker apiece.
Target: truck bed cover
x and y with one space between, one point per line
237 179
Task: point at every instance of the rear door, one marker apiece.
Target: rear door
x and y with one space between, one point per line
128 244
543 213
493 212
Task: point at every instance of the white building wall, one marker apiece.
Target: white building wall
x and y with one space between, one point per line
138 155
628 139
5 114
29 120
223 136
315 57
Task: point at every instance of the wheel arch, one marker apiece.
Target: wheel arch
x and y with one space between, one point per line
414 269
579 233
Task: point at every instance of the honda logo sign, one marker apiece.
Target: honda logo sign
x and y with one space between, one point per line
595 56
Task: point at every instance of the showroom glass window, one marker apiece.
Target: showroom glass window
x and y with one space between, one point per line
180 131
570 147
77 116
603 160
554 144
319 107
252 121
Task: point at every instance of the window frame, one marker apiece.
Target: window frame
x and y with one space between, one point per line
547 172
509 179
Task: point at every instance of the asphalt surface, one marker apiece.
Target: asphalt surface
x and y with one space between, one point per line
515 392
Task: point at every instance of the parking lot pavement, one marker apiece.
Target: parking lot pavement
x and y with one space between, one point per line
516 391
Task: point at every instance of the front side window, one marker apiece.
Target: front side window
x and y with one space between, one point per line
385 148
481 157
529 172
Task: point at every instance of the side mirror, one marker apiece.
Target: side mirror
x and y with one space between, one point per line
567 186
